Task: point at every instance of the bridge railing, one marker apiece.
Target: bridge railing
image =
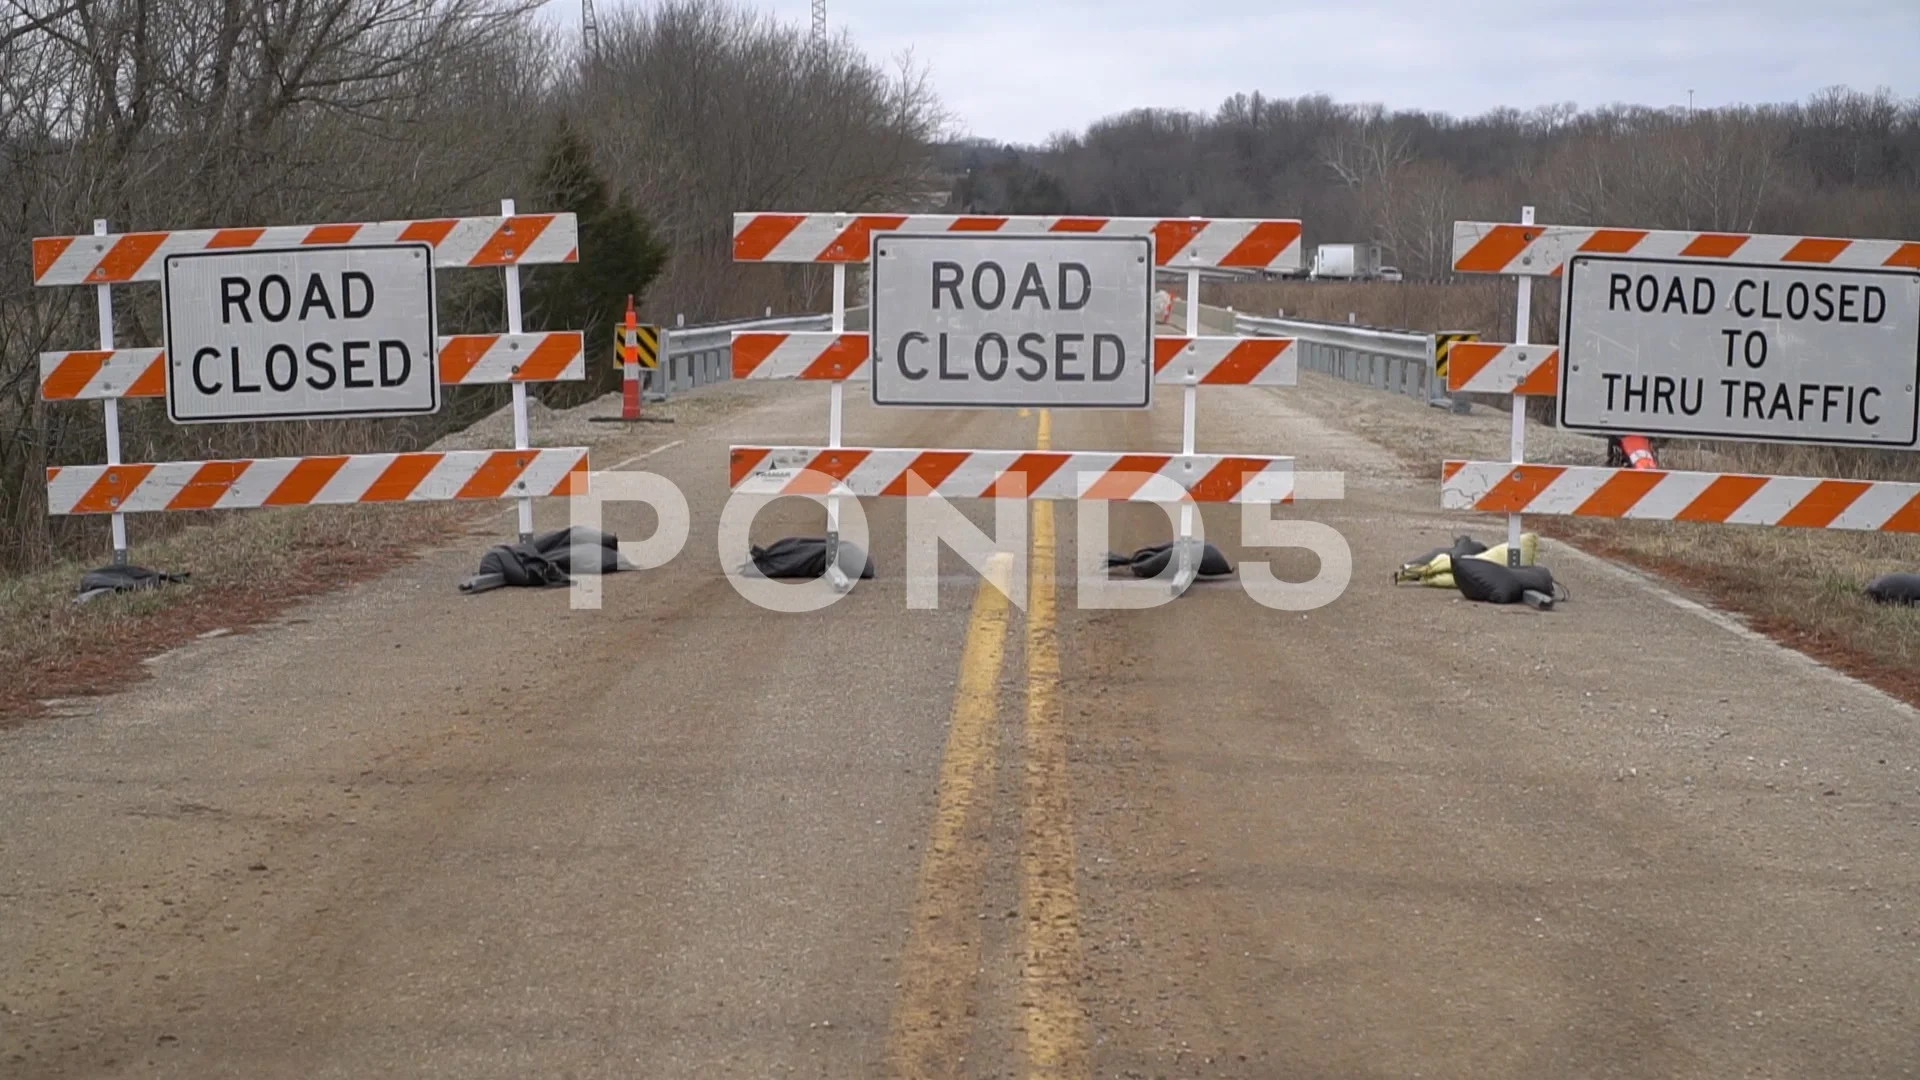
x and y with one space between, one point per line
1401 361
695 356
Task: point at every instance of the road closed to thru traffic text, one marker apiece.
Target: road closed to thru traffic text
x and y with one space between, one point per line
1000 321
299 333
1800 354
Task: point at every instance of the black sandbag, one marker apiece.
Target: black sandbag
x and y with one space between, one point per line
1895 588
548 560
1492 583
521 566
1464 546
1461 547
127 579
599 560
565 547
548 542
115 579
1151 562
805 558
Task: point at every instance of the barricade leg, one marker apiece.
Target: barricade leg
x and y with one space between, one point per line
105 295
841 583
1186 559
1522 326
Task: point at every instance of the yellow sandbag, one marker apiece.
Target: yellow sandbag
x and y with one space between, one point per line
1439 564
1529 547
1436 572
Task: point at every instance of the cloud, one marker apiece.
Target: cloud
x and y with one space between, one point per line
1019 70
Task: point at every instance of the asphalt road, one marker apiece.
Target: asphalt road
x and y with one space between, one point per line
409 832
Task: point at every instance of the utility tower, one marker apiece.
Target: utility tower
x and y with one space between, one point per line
590 30
819 20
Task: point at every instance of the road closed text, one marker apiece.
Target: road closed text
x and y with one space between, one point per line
966 321
326 332
1767 353
354 363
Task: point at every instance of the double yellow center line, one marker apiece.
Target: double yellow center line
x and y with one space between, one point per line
933 1029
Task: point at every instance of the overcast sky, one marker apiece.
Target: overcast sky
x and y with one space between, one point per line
1019 70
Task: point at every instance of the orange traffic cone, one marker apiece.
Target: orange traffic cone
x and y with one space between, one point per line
1639 452
630 357
628 335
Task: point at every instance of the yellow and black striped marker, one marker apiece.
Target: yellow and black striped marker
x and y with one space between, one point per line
646 344
1442 345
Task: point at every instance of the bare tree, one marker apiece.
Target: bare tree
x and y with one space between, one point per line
702 109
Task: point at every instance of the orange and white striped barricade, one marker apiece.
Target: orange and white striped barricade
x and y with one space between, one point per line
1699 335
109 373
837 356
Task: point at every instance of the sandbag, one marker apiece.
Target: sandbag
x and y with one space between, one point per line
805 558
548 560
1435 568
548 542
113 579
1461 547
1151 562
1529 550
564 548
517 565
1496 583
1898 588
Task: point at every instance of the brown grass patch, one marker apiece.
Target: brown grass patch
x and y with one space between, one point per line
246 568
1801 587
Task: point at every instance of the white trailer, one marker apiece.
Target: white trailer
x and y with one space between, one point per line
1350 262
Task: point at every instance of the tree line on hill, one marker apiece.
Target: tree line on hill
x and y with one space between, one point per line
1845 162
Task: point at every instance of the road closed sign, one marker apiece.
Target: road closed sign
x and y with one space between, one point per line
300 333
1055 321
1793 354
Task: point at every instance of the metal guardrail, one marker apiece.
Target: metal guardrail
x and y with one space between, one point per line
695 356
1401 361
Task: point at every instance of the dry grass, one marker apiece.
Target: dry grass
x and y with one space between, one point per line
1801 585
244 569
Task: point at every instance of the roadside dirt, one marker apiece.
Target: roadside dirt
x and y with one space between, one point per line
246 568
59 650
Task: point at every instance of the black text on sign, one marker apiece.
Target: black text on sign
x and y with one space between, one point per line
1052 321
1746 352
301 333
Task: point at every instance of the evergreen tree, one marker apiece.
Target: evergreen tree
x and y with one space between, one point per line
619 256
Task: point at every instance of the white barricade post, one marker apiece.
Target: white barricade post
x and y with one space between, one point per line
297 322
1015 312
1710 336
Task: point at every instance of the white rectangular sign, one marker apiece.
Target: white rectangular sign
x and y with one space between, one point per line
1762 353
968 321
299 333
